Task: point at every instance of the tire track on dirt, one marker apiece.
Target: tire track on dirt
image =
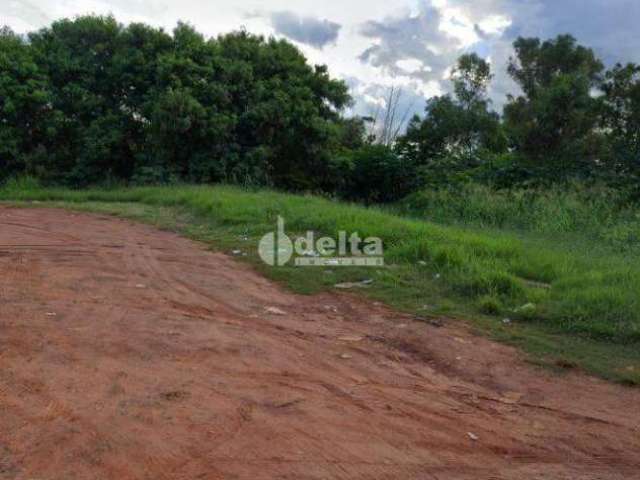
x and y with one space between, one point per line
163 361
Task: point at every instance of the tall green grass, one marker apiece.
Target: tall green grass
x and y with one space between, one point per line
567 288
597 213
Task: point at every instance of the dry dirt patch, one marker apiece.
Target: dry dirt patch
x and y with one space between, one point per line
130 353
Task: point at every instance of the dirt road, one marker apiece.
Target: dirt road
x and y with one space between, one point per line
129 353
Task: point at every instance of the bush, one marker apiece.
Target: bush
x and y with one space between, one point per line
21 183
489 305
376 174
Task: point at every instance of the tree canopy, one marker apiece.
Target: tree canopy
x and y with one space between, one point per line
457 131
90 100
552 123
105 100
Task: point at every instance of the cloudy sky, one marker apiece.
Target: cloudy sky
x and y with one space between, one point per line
375 44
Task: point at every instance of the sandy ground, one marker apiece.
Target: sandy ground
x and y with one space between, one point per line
129 353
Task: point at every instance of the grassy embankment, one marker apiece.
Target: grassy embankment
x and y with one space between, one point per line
564 271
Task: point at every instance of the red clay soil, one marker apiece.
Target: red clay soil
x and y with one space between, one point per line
130 353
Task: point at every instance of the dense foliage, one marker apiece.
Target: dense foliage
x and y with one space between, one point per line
91 101
552 123
457 132
571 121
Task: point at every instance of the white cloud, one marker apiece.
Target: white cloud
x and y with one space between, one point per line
18 24
459 26
494 24
411 65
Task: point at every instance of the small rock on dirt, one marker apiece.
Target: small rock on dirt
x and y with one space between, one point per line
348 285
526 309
275 311
351 338
511 398
473 436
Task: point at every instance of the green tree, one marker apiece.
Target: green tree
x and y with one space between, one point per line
375 173
137 103
459 132
76 56
621 121
351 133
286 111
190 122
471 78
26 115
551 125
